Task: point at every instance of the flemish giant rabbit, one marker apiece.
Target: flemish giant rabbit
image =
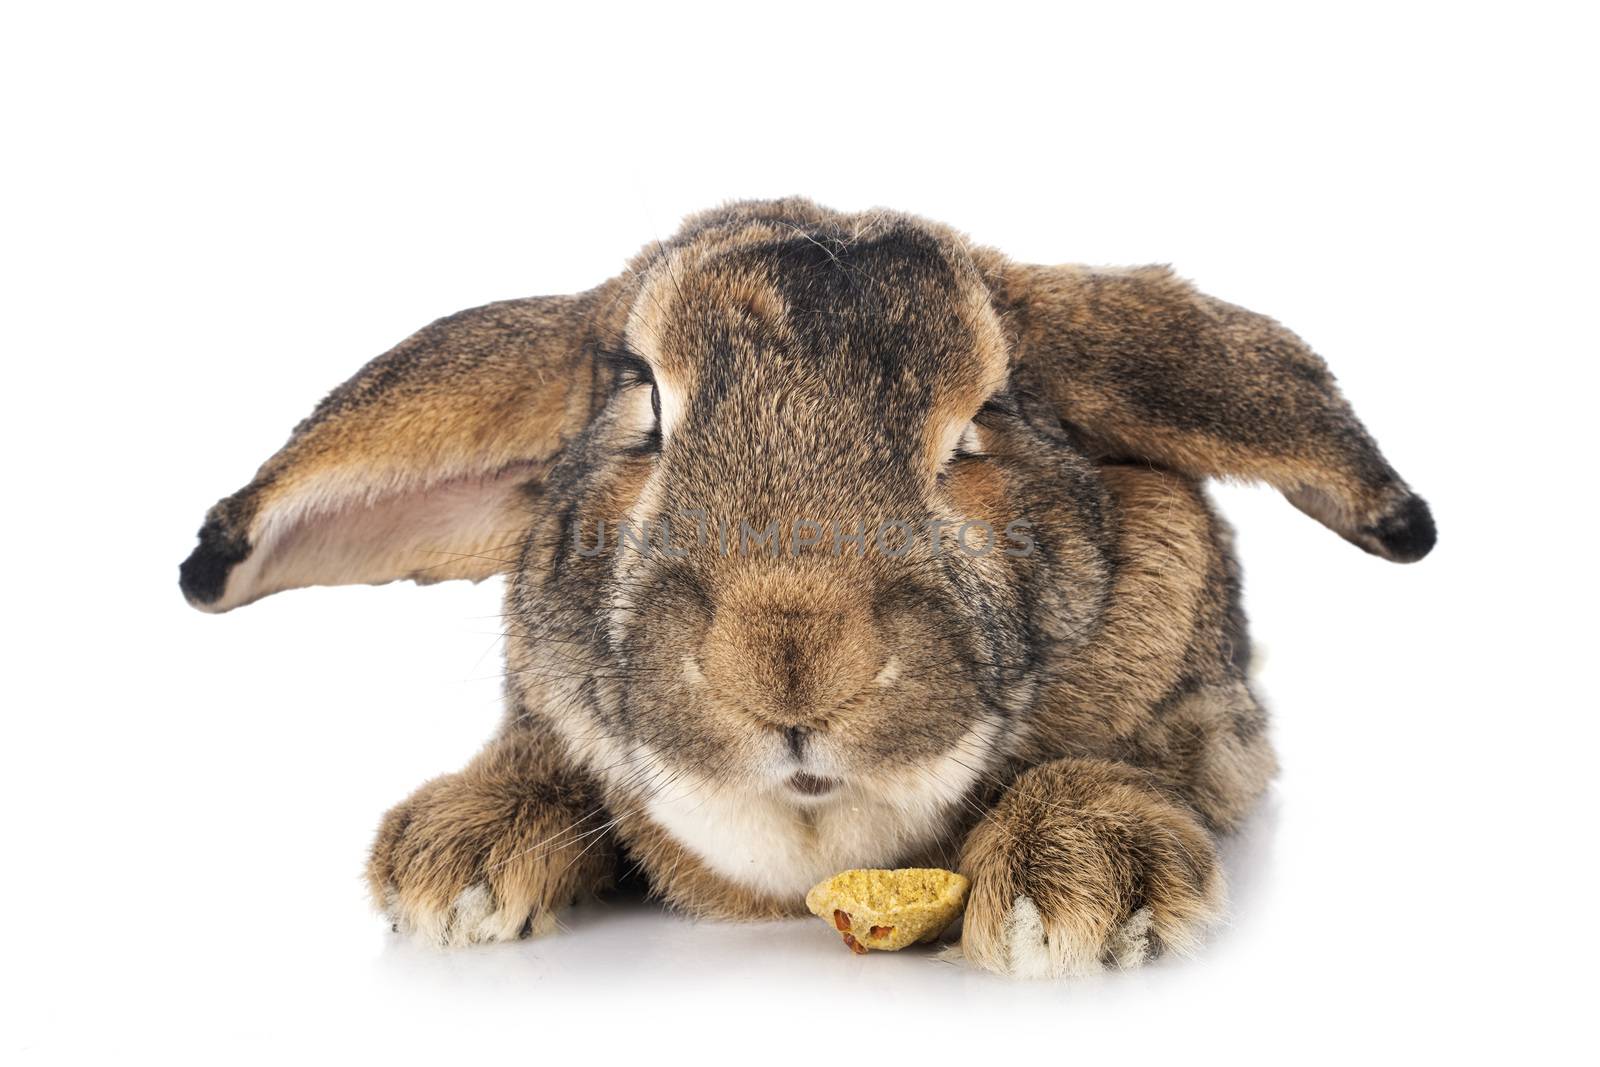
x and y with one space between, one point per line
833 541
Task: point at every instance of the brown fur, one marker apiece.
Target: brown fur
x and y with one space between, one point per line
514 821
1091 843
1069 724
1208 389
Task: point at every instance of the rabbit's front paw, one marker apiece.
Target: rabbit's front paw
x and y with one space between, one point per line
1082 866
489 854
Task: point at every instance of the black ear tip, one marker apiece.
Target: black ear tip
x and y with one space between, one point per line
203 577
1407 533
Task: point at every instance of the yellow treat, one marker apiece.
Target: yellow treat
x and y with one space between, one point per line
889 910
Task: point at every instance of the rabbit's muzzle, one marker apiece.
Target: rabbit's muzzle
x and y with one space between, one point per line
792 654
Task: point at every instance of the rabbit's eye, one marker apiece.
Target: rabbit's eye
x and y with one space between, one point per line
992 417
633 373
967 444
651 441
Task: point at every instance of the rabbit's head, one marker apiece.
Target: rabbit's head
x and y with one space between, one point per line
812 536
804 501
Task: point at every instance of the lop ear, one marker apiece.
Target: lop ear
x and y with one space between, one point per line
1143 366
422 465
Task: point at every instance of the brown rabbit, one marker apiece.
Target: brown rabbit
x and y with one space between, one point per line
834 541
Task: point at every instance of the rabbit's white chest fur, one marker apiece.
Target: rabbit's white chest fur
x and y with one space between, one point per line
773 846
770 843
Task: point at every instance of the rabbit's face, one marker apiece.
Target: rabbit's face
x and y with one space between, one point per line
828 553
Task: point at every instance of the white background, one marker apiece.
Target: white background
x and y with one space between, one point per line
213 214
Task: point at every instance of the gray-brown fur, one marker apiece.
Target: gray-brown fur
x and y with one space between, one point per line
1070 725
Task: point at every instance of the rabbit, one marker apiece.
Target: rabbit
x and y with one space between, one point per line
832 540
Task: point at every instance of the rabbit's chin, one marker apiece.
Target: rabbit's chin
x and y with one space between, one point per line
783 840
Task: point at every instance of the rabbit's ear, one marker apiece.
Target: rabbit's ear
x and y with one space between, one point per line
1142 366
422 465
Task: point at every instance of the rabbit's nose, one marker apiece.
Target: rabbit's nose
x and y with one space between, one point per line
795 737
790 650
